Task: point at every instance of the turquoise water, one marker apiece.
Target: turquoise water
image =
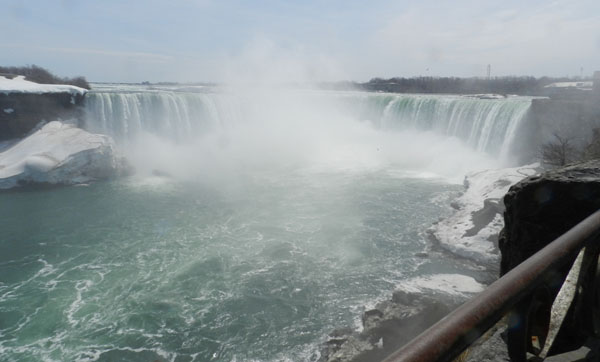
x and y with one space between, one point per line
259 269
284 216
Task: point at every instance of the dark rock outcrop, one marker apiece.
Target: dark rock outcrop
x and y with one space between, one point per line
541 208
538 210
490 347
387 327
20 113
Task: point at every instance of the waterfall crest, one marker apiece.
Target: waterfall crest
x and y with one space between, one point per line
486 125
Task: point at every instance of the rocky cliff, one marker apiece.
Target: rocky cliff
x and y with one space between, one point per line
572 119
538 210
541 208
24 104
22 112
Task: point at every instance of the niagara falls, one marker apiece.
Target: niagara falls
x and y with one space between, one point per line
255 222
320 182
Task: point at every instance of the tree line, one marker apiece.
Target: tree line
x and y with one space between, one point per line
525 85
40 75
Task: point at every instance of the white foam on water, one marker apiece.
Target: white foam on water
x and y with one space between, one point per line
81 286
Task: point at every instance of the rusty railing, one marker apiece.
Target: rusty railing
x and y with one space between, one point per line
516 292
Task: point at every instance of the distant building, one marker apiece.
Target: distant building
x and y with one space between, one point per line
573 90
583 86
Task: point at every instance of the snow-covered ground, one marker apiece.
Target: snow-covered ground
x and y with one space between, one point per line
472 230
59 153
18 84
451 284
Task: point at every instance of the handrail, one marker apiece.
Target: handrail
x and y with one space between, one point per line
449 337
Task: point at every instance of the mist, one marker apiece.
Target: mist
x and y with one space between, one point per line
273 129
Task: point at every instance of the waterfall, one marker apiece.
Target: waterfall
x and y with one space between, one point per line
173 115
486 125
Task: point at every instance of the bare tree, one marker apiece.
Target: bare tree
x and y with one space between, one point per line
43 76
559 152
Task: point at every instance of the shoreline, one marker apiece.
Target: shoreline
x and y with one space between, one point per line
393 322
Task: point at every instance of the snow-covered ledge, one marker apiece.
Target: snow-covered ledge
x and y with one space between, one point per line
59 153
24 104
18 84
472 231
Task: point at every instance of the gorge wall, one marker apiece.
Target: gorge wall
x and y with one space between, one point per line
22 112
539 209
570 118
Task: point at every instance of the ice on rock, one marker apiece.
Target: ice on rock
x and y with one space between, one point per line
18 84
472 230
59 153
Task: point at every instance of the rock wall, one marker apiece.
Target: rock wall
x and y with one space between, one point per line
20 113
387 327
538 210
571 118
541 208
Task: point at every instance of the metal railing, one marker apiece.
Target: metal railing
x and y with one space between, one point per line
514 292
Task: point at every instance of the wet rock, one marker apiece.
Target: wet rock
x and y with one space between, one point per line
21 112
541 208
538 210
387 327
490 347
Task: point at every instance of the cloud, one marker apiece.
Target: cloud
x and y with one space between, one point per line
142 56
215 41
457 39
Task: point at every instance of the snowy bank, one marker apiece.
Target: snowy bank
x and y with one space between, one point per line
18 84
472 231
417 303
455 285
59 154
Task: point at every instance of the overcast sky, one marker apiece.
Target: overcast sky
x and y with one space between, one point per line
220 40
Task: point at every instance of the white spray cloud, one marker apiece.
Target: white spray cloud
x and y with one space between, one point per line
274 130
264 62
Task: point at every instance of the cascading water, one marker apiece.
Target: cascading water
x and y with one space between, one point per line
486 125
172 115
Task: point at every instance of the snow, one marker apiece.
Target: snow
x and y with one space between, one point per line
18 84
8 110
473 228
58 154
486 96
452 284
583 84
